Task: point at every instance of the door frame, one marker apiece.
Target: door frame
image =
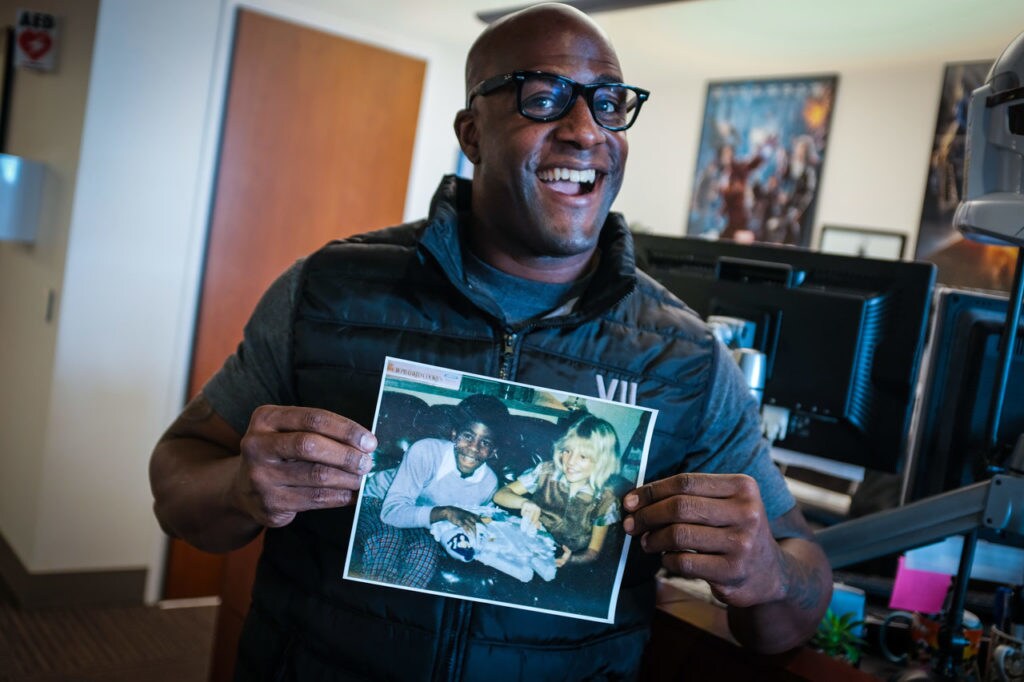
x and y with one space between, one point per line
432 157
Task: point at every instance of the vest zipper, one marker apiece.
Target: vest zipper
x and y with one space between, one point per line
510 337
508 349
457 615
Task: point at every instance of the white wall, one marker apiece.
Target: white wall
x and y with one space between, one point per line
139 217
132 271
131 253
47 109
876 161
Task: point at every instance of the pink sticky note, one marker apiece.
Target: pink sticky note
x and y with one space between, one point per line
921 591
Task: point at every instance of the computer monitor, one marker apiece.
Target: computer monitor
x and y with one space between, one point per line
843 336
960 374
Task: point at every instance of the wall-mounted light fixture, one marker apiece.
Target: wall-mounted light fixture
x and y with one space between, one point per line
21 197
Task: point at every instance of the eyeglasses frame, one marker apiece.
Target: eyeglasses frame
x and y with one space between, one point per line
494 83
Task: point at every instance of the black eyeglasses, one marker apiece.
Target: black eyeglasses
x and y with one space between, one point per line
547 97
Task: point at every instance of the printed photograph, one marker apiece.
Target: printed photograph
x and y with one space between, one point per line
961 262
498 492
762 147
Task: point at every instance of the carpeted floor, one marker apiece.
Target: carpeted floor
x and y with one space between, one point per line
125 644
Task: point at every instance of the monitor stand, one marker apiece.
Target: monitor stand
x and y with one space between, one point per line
995 507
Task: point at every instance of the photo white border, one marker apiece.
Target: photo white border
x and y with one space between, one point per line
433 375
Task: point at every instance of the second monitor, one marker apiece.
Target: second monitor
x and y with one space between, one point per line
842 336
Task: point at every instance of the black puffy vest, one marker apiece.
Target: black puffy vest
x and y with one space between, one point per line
400 292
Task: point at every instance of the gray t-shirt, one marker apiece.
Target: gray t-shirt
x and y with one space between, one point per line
259 373
522 299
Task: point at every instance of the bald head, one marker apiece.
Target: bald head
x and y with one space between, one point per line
542 184
517 38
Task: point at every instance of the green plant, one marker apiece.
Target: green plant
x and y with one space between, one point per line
837 636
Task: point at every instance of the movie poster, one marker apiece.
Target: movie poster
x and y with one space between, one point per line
961 262
498 492
762 148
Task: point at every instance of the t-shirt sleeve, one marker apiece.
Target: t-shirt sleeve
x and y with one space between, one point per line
259 371
729 437
608 509
530 478
414 474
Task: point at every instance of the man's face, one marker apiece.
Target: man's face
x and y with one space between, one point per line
522 206
474 445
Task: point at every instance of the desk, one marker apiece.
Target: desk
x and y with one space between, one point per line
690 640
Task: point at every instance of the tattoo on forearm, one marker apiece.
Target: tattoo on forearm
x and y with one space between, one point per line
198 409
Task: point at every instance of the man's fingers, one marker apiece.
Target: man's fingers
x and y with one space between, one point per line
704 511
306 447
700 485
683 537
304 498
281 419
304 474
713 568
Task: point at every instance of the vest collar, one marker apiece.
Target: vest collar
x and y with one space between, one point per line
614 279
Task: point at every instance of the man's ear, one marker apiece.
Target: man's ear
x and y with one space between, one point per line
468 135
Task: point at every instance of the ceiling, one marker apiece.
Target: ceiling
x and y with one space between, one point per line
752 37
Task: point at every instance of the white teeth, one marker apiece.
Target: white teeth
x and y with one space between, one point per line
572 175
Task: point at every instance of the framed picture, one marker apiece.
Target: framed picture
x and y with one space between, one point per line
483 490
961 262
762 147
855 241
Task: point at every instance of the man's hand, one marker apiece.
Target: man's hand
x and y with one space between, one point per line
466 520
295 459
714 527
292 459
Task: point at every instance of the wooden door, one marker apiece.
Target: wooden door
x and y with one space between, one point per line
316 145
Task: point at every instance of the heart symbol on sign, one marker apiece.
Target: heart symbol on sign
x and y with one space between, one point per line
35 43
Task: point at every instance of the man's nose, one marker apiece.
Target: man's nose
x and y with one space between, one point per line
578 125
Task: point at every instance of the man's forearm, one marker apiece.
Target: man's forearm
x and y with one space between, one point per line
780 625
192 473
192 486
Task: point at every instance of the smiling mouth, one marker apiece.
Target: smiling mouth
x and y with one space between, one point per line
569 180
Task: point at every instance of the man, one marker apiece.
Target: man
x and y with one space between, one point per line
436 480
522 274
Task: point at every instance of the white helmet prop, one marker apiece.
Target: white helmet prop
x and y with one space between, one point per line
993 208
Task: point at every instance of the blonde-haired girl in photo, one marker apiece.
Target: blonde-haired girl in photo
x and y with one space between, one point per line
569 496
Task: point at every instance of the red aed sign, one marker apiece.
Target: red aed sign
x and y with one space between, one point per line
35 40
